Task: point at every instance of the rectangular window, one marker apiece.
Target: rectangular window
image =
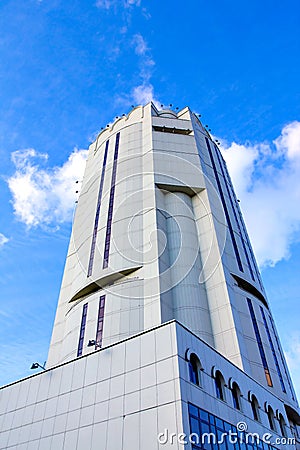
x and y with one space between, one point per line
207 436
99 331
95 231
172 130
111 204
259 343
273 349
282 358
82 329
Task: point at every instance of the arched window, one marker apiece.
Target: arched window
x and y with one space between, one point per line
236 395
282 425
255 407
271 418
220 383
294 429
194 369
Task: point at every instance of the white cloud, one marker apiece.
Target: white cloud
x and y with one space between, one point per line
144 94
133 2
140 44
289 141
105 4
44 196
3 240
266 178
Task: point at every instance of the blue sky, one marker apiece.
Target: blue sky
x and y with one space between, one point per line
69 67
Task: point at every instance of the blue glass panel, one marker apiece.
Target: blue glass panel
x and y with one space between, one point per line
212 419
193 410
221 440
219 423
204 415
195 426
207 439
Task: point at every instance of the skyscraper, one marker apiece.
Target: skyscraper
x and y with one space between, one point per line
163 331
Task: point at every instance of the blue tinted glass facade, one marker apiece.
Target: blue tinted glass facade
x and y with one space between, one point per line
259 343
273 349
95 231
207 433
233 240
111 204
99 331
82 329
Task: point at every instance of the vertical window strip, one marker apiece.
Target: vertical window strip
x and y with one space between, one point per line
273 349
95 231
222 164
82 329
235 247
99 332
259 343
111 204
282 358
244 229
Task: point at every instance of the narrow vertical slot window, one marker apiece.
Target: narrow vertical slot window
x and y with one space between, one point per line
99 332
233 240
273 349
95 231
82 329
282 358
221 164
260 344
111 204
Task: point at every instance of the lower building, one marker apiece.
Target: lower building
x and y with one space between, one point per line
164 388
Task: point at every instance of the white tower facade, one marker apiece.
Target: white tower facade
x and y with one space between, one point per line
163 328
158 235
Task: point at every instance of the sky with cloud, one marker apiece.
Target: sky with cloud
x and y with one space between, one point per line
69 68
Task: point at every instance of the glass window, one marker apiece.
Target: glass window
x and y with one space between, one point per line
282 425
194 369
222 197
95 231
204 415
219 383
273 350
254 407
195 426
259 343
111 204
82 329
193 410
271 418
236 396
99 331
